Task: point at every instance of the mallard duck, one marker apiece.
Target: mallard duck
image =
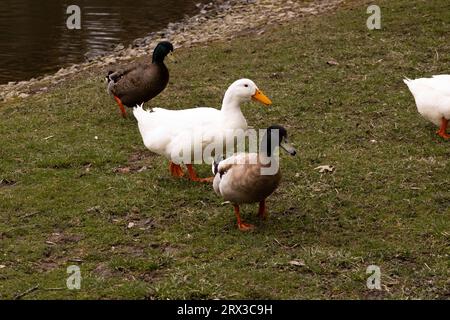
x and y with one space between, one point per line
241 178
167 132
140 81
432 97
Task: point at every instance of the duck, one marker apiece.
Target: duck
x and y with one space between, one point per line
432 96
140 81
179 134
252 177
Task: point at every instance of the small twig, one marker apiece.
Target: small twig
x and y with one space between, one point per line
285 246
54 289
49 137
29 214
21 295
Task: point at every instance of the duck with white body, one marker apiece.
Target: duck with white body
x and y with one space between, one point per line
432 96
167 132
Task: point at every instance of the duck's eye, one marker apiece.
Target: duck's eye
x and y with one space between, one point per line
246 85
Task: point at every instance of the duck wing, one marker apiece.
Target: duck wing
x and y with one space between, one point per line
138 82
169 131
441 83
239 179
437 85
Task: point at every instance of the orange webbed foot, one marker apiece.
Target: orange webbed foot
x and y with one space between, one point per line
443 134
245 226
175 170
204 180
193 175
241 225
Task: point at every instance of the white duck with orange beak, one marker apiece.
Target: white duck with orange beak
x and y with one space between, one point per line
166 132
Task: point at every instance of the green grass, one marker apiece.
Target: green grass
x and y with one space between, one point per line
387 202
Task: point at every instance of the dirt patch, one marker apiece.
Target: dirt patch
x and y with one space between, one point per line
128 250
47 265
7 183
137 162
140 155
62 238
103 271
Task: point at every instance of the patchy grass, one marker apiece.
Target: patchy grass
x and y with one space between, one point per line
69 198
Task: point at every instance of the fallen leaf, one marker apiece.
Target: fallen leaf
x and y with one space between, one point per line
332 62
297 263
325 168
94 209
7 182
122 170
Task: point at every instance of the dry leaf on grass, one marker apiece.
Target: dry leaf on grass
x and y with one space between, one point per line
297 263
122 170
332 62
325 168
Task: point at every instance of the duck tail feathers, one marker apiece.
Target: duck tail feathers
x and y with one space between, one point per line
139 112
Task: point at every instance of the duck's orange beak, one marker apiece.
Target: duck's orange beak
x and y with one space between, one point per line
261 97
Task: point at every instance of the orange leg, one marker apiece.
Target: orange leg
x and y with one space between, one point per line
241 225
175 169
122 108
443 130
193 175
262 212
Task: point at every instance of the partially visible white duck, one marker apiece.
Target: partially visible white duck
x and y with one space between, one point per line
432 97
167 132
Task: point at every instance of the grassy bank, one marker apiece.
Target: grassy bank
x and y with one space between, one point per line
75 175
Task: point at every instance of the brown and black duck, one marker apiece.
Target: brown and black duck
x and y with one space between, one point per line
140 81
241 178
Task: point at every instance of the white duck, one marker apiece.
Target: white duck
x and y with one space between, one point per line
252 177
171 132
432 97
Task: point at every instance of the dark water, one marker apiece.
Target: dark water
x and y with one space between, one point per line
34 38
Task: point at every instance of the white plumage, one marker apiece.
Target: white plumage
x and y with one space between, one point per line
432 96
174 133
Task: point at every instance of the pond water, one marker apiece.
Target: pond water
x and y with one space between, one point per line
35 40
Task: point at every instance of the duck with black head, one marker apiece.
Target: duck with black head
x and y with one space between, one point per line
140 81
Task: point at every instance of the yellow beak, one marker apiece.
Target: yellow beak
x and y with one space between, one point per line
261 97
